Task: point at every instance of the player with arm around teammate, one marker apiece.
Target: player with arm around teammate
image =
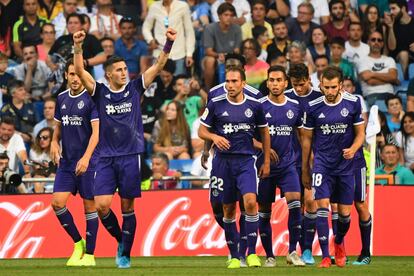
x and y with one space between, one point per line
121 139
334 129
229 121
77 127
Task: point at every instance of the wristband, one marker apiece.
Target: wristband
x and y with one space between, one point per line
77 50
167 46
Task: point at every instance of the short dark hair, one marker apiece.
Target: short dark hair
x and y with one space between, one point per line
393 97
334 2
389 145
354 23
278 21
399 3
308 5
259 2
111 60
161 156
69 62
237 69
179 77
107 38
332 72
45 25
338 41
348 78
8 121
255 44
299 71
226 7
169 66
277 68
127 19
79 16
258 31
13 85
4 155
321 57
28 45
235 56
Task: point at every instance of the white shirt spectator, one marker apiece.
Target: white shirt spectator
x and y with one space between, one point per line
321 9
60 25
378 65
315 80
242 9
39 158
105 24
39 80
354 54
15 146
407 146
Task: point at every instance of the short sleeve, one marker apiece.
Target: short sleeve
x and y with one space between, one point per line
392 64
299 120
260 117
363 65
96 90
58 115
94 112
138 84
398 139
324 8
19 143
308 120
207 118
208 37
357 117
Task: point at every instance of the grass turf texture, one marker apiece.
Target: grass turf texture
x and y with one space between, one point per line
199 266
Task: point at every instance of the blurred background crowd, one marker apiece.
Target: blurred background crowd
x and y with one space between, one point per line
372 41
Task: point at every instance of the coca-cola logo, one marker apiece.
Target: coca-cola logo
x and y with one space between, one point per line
17 243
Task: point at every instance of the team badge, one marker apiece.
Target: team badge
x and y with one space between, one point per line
126 94
215 193
81 104
344 112
290 114
248 112
205 114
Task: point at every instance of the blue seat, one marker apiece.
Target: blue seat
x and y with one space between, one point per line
381 106
403 83
403 96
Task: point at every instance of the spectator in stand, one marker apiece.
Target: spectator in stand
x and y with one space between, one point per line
22 112
190 96
86 6
337 51
320 14
175 14
5 78
261 35
348 84
382 6
255 69
171 133
49 9
383 137
400 34
26 31
300 27
410 95
280 43
242 8
390 156
12 143
197 144
40 154
378 73
220 38
5 37
160 168
297 55
105 23
163 85
355 49
60 21
339 21
132 50
371 22
200 14
87 25
321 63
10 11
34 73
48 113
319 45
9 189
48 39
278 9
405 140
258 19
108 46
92 50
395 112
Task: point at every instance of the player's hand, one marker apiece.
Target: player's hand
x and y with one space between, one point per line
189 61
349 153
221 143
171 34
55 152
79 37
264 170
274 158
82 166
204 158
306 179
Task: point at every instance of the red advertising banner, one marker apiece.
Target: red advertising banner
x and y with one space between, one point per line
180 223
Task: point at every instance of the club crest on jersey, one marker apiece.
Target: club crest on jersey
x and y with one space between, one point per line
81 104
344 112
290 114
126 94
248 112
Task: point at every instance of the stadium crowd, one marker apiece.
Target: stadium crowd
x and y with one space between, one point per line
370 41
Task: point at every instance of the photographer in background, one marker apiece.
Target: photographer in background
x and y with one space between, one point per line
10 181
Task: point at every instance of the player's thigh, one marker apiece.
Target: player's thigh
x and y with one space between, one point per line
345 189
220 179
360 185
267 191
86 185
246 171
322 185
59 200
289 184
128 173
65 181
105 182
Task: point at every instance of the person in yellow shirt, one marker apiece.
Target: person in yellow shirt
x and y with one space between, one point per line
49 9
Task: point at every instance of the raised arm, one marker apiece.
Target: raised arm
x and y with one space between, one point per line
83 163
86 78
155 69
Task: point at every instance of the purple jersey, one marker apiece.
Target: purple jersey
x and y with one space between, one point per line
121 130
221 89
283 119
75 113
234 121
333 131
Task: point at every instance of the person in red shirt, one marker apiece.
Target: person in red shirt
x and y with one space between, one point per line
160 168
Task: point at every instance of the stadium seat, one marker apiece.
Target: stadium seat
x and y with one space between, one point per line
403 96
403 83
381 106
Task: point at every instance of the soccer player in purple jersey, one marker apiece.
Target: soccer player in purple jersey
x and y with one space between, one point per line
230 121
284 117
303 92
334 122
77 126
121 139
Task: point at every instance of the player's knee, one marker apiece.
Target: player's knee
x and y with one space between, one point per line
217 208
102 208
57 205
250 205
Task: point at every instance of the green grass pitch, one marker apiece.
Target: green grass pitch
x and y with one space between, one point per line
199 266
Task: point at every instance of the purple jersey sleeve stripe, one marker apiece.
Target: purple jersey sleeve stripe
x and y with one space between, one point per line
204 124
263 125
94 89
359 123
56 119
308 128
96 119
